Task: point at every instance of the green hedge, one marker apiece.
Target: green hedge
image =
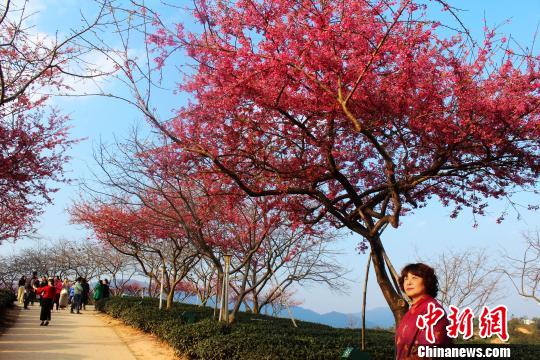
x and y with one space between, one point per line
256 337
7 297
253 337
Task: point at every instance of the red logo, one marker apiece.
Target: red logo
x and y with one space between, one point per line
493 322
429 320
460 323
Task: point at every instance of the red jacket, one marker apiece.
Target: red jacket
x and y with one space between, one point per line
409 336
47 290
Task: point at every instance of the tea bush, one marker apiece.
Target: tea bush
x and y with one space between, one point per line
252 337
7 297
191 330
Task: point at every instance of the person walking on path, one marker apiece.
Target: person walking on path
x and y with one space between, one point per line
85 294
106 290
20 290
40 283
47 296
58 287
71 289
98 291
30 291
64 294
77 294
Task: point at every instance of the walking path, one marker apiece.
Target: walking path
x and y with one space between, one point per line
86 336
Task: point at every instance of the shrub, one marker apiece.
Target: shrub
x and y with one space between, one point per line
100 304
253 337
7 297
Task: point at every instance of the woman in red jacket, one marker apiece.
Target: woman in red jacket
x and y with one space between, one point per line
420 284
47 293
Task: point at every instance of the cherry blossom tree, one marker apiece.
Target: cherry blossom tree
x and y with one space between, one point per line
142 193
136 232
33 137
352 113
358 111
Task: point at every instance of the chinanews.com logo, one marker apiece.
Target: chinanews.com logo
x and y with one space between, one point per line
463 352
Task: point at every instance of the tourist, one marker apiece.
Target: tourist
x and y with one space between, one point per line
30 291
40 283
106 290
98 291
77 294
71 290
64 294
20 290
85 294
58 287
420 284
47 295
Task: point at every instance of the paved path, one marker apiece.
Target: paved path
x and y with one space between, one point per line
68 337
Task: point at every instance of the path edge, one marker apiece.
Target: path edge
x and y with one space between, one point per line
9 317
119 327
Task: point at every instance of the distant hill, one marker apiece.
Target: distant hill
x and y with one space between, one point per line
379 317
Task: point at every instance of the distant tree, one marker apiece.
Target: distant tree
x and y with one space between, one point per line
203 280
285 261
524 272
467 278
283 299
67 259
352 322
118 268
8 273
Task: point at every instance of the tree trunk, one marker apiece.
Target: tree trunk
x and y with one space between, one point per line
232 315
218 292
170 298
241 295
247 305
256 309
397 304
364 294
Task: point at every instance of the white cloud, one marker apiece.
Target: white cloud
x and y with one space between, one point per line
94 64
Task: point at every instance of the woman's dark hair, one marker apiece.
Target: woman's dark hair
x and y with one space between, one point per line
426 273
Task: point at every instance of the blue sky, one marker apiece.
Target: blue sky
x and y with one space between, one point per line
425 234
